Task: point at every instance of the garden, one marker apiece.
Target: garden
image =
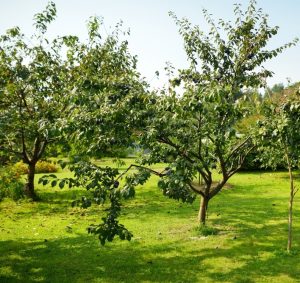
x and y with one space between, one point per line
105 179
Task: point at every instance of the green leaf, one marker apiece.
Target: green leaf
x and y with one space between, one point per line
61 184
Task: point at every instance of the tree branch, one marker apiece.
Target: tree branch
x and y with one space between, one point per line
233 151
217 188
196 191
206 175
24 152
240 163
295 192
22 96
160 174
36 148
42 149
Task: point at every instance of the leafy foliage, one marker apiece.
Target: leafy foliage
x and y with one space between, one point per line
280 139
108 92
110 226
104 184
104 105
95 98
278 132
198 130
34 80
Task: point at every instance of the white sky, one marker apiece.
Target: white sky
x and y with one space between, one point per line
154 37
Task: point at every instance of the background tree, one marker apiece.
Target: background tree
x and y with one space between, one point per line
277 88
197 131
280 141
33 82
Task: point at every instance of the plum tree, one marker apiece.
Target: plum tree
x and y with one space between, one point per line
34 80
197 131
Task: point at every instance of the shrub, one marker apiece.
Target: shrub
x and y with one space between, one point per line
11 185
21 168
253 162
42 166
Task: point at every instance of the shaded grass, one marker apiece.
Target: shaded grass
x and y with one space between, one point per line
47 241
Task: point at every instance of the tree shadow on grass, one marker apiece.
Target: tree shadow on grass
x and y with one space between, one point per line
252 255
80 258
260 261
61 196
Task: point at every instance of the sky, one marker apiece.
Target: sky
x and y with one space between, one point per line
154 36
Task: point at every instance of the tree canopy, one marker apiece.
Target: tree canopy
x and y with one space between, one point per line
196 131
279 141
91 93
34 80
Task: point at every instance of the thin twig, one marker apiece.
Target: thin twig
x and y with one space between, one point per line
160 174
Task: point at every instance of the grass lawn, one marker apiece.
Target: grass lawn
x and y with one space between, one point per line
47 241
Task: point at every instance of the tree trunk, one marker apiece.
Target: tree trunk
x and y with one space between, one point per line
292 194
29 186
203 210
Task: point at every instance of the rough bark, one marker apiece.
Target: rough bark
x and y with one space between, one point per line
203 210
29 186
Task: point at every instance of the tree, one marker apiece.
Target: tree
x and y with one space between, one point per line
196 131
108 101
34 80
108 98
280 141
277 88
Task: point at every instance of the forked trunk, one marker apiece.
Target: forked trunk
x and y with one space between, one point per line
203 210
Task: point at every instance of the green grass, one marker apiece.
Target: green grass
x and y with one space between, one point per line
47 241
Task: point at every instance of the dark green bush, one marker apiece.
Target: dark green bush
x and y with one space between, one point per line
253 163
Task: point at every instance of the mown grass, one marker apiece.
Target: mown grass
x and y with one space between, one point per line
47 241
